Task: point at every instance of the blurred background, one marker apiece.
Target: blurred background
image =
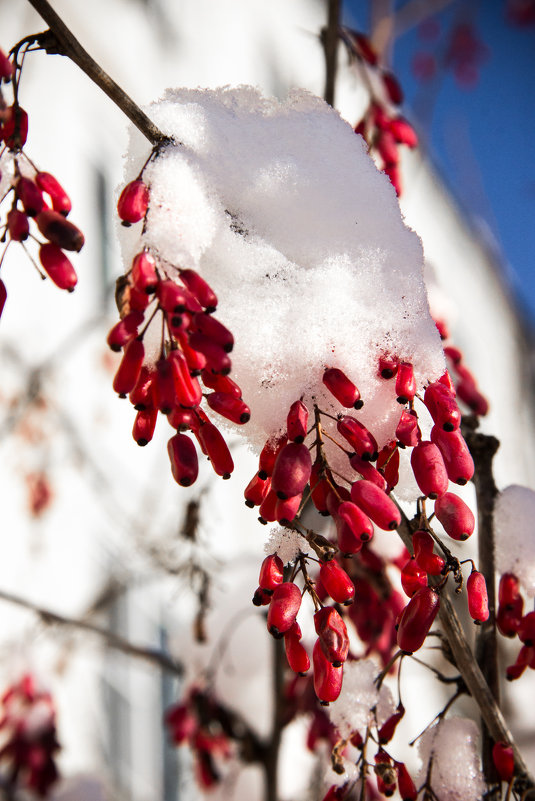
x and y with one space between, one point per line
94 527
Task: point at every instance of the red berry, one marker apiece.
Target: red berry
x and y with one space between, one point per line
184 462
408 431
388 729
187 389
358 436
332 634
456 517
129 369
429 469
426 559
133 202
30 196
283 609
298 659
344 390
268 455
214 330
144 426
18 225
413 577
60 199
336 582
198 286
417 618
271 572
256 490
478 602
504 761
216 448
405 383
327 677
292 470
442 406
457 458
229 406
379 507
15 127
297 422
526 629
58 266
123 331
144 274
60 231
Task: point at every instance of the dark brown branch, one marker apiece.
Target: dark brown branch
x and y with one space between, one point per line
158 658
470 671
329 39
61 41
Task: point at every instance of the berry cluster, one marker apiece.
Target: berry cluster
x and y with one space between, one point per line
193 345
30 744
512 622
32 193
382 126
288 478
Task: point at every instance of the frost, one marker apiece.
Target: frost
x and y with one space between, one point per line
456 772
286 544
515 544
351 711
282 211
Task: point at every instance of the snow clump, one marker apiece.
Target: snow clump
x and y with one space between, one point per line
279 207
514 513
456 773
353 709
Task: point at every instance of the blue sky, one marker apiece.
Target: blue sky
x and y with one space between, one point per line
481 137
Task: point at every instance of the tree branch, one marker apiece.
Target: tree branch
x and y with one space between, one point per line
60 40
329 39
159 658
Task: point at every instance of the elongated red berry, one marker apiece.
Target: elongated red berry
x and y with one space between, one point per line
164 386
271 572
142 396
358 436
58 266
442 406
393 88
286 509
525 658
198 286
261 597
429 469
332 633
509 616
403 132
130 368
426 559
388 729
214 330
408 431
30 196
144 274
18 225
220 383
407 788
61 202
320 487
379 507
349 542
367 470
417 618
297 422
15 127
388 367
337 582
388 464
283 609
256 490
405 383
509 589
268 455
268 507
327 677
60 231
187 388
6 67
457 458
216 449
298 659
413 577
292 470
504 761
184 461
144 426
133 202
123 331
217 360
456 517
478 602
526 629
343 389
229 406
3 296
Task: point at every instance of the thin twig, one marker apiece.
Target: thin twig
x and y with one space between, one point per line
159 658
60 40
329 39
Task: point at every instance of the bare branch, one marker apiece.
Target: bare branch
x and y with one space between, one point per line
329 38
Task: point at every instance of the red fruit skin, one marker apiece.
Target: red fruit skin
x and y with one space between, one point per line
184 461
407 788
319 487
217 359
456 517
297 422
457 458
469 394
214 330
367 471
509 616
509 589
388 367
337 582
405 383
526 629
144 274
129 369
184 419
504 761
358 436
255 491
408 431
388 729
6 67
3 296
478 602
292 470
287 509
525 658
388 464
217 449
142 395
268 455
198 287
327 678
261 597
403 132
349 543
426 559
18 225
271 572
353 516
417 618
229 406
332 633
283 609
220 383
344 390
123 331
30 196
187 389
60 231
394 90
58 266
15 127
442 406
376 504
268 507
61 202
298 659
133 202
429 469
413 578
144 426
